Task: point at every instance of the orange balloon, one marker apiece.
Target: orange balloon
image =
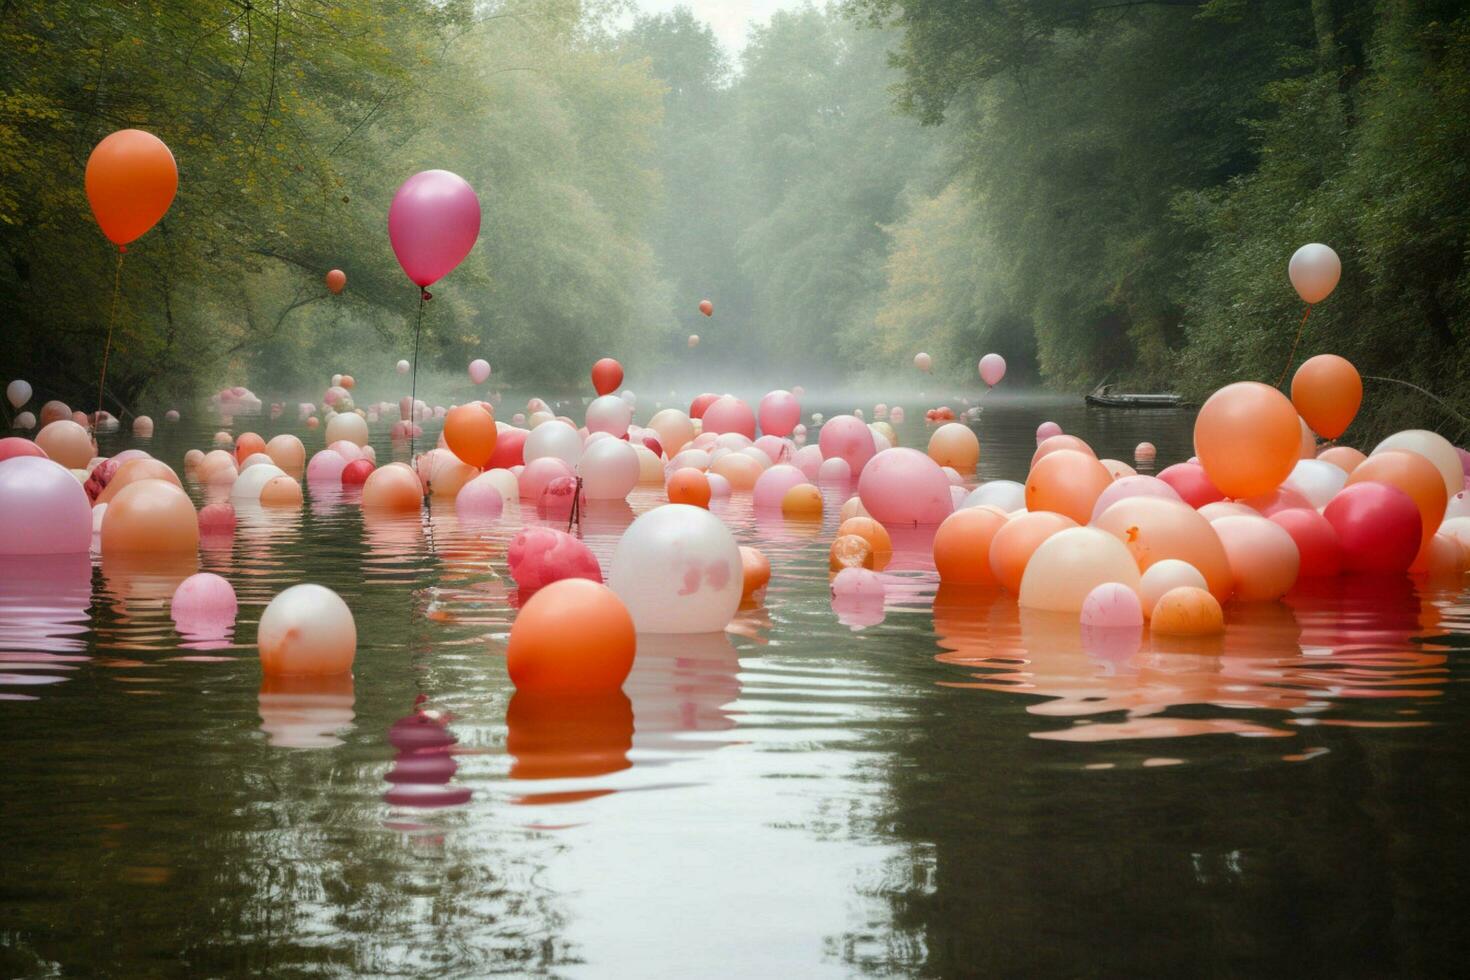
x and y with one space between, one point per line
131 180
849 551
134 470
280 491
349 382
689 486
874 533
336 282
1416 476
1344 457
248 445
706 307
1155 528
1187 611
469 432
394 487
1067 481
853 508
573 636
1327 391
802 501
1013 544
1060 441
962 545
150 515
756 570
1248 437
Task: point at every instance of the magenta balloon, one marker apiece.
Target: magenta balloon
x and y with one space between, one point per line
433 223
1378 526
849 438
992 369
905 487
779 413
43 509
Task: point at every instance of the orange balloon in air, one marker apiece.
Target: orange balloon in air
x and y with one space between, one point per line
1416 476
689 486
469 432
574 636
1248 437
336 281
706 307
1327 391
1013 544
962 545
131 181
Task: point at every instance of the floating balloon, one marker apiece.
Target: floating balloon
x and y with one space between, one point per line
1193 485
110 484
1248 437
741 470
1317 481
846 437
1067 566
1014 544
678 570
772 485
433 223
555 439
729 414
480 499
402 367
43 509
479 370
356 473
1131 486
287 452
201 599
1068 482
1314 271
470 433
1111 605
610 414
281 491
131 181
700 403
151 516
1414 475
1163 576
905 487
923 362
348 427
1433 447
12 446
307 629
779 413
18 393
336 281
541 473
392 488
609 469
607 374
802 502
1264 560
992 369
706 307
1187 611
572 637
954 444
1327 391
1316 541
693 341
1378 526
325 467
962 546
1155 528
1006 495
850 551
755 571
25 421
539 556
67 443
689 486
1060 440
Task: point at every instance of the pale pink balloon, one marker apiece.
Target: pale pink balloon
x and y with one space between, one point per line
848 438
1132 486
479 370
777 449
203 603
1046 430
1264 559
779 413
730 414
992 369
857 583
834 470
905 487
772 485
718 485
808 459
43 509
326 467
217 519
347 450
480 499
539 556
1111 605
433 223
540 472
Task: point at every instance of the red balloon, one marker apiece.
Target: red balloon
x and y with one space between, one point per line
1191 483
12 446
607 374
510 447
1379 527
697 407
706 307
653 445
336 281
1316 539
355 473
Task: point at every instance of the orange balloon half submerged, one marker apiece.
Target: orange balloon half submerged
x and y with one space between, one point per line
131 181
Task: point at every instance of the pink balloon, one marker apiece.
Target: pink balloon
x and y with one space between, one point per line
849 438
857 583
217 519
1132 486
539 556
43 509
718 485
1112 605
775 447
779 413
13 446
834 470
479 370
326 467
433 223
808 459
203 602
905 487
992 369
539 473
730 414
1046 430
771 486
479 499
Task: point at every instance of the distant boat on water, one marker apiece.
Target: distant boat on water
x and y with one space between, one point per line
1106 396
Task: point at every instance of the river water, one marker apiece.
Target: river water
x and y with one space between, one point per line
938 786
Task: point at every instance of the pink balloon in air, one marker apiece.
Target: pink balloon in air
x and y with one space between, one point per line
992 369
433 223
479 370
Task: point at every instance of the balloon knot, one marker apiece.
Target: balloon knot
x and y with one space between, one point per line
122 250
426 295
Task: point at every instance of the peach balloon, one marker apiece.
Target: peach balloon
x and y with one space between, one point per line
1066 481
153 516
1187 611
1067 566
853 508
1060 441
802 502
1014 544
1414 475
675 430
280 491
67 443
1248 437
848 438
287 452
755 569
1327 391
394 488
1132 486
1433 447
443 473
1264 560
307 629
349 427
1165 576
54 411
849 551
248 445
689 486
1345 458
1118 469
903 486
874 533
772 486
1153 529
133 471
955 444
962 546
742 471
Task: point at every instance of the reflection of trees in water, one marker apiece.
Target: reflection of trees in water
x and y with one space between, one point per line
1026 863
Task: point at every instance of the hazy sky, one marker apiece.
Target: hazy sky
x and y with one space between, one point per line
728 18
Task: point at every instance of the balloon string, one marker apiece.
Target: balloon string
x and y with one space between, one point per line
1292 356
413 397
107 346
1427 394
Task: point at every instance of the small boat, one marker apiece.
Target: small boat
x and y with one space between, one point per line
1105 397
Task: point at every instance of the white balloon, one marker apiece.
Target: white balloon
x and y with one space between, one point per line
554 438
253 479
402 367
677 568
25 420
609 469
19 392
1166 574
1008 495
1314 270
609 414
347 427
1459 506
1316 480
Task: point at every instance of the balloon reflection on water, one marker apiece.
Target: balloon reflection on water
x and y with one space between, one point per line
423 763
306 712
